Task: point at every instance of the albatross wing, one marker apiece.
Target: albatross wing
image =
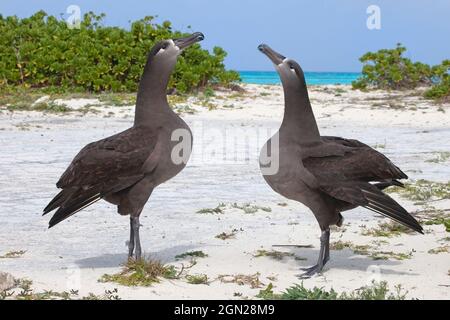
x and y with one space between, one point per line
101 168
357 178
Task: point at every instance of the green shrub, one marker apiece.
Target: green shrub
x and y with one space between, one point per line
441 88
41 51
388 69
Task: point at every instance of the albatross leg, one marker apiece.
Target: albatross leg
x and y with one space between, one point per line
324 256
136 240
131 242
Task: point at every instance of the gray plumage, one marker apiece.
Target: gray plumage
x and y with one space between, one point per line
125 168
327 174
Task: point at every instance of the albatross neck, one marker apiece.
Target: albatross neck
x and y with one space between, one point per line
151 101
299 121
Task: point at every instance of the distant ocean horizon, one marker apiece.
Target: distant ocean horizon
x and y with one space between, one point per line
315 78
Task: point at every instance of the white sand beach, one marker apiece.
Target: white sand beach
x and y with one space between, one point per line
261 241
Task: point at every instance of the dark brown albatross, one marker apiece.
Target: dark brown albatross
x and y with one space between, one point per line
327 174
125 168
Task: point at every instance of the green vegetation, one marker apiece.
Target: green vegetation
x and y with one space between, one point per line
367 250
245 207
197 279
441 88
440 157
357 249
442 249
389 69
42 51
180 109
144 272
274 254
379 146
423 190
444 220
50 107
218 209
249 208
386 255
433 216
43 99
376 291
191 254
23 291
227 235
13 254
108 295
241 279
387 229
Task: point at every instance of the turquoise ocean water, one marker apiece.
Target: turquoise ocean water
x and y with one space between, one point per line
271 77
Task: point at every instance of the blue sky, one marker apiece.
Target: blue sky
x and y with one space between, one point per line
322 35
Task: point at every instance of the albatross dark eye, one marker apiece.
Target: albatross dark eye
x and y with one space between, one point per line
291 66
165 45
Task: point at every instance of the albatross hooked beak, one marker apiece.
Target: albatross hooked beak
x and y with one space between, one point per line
274 56
189 40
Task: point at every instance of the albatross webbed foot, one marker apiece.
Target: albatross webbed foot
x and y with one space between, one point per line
311 271
324 256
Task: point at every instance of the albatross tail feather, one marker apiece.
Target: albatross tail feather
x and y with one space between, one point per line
58 200
385 205
74 204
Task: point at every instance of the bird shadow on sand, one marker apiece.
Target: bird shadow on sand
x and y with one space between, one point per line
112 260
347 260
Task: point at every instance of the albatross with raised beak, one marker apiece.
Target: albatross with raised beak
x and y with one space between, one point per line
125 168
327 174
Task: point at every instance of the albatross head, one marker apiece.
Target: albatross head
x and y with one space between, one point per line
167 51
290 72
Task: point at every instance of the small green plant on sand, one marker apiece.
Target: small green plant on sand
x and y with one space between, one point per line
197 278
250 208
219 209
227 235
386 255
376 291
108 295
274 254
143 272
442 249
439 157
423 190
50 107
367 250
242 279
245 207
191 254
23 291
437 218
387 229
13 254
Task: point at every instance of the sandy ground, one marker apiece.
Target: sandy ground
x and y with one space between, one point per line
37 147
